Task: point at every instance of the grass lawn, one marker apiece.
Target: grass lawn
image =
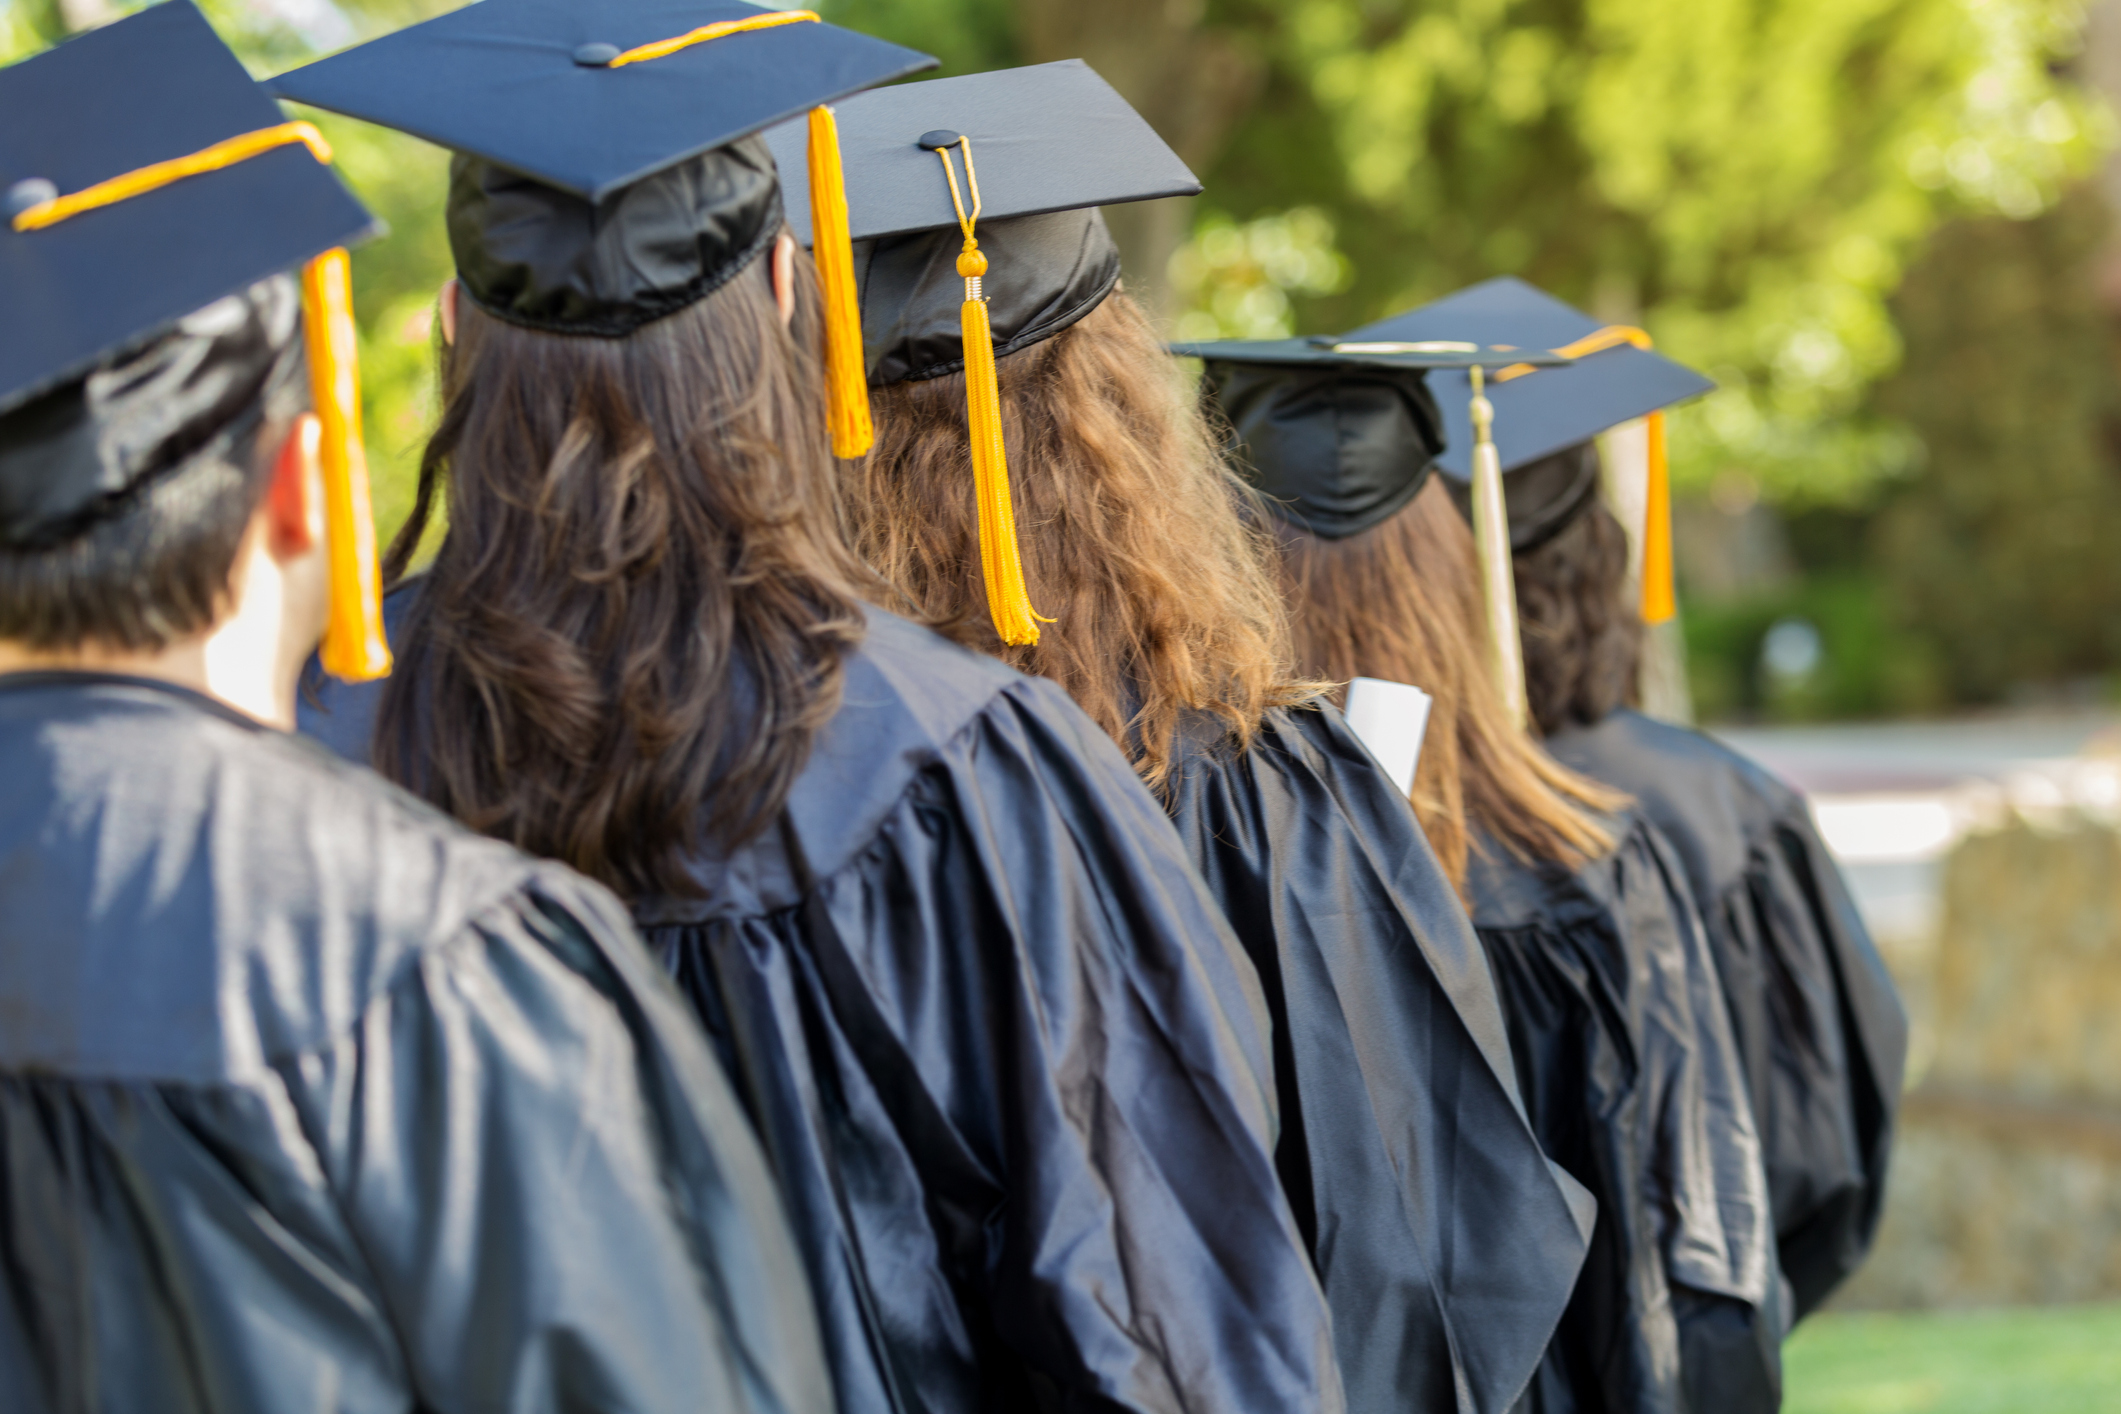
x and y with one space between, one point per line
2043 1360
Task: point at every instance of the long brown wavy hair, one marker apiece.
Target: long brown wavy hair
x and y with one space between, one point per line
1401 601
636 622
1134 533
1582 638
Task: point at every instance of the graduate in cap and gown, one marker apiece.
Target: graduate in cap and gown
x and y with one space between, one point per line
1817 1019
1044 486
1006 1060
294 1071
1624 1055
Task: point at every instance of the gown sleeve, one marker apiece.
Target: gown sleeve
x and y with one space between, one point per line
553 1190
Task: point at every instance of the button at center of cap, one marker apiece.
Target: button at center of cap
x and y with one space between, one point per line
31 191
596 56
939 139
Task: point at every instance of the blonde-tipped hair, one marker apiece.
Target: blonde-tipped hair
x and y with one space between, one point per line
1401 601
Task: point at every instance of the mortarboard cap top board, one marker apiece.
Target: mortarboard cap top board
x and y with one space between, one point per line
1555 408
1327 351
1338 435
156 86
1049 144
571 93
155 203
608 169
1045 138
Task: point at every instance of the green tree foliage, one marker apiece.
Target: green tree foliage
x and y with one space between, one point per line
1747 178
2000 555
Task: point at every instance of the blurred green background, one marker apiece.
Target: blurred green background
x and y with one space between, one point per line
2051 1361
1883 225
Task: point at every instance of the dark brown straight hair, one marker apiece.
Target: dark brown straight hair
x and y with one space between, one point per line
636 621
1582 637
1134 533
1401 601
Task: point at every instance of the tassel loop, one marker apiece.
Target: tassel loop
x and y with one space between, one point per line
1001 558
354 646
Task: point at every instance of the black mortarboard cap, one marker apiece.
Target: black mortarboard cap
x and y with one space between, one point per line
137 334
1554 408
1050 144
601 184
157 85
1544 421
1337 435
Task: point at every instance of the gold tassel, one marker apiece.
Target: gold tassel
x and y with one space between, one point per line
1001 560
846 373
1660 599
354 647
1491 538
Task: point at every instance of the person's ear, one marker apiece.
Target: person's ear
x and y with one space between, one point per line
784 276
448 302
294 499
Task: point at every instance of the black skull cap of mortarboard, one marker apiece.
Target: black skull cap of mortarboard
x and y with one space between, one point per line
597 186
1544 412
1050 143
1337 435
1334 450
146 331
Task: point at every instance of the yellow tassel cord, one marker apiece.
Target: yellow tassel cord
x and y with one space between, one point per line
354 647
846 374
1001 561
1660 597
721 29
1491 538
141 181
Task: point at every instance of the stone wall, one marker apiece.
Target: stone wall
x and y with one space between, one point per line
2006 1185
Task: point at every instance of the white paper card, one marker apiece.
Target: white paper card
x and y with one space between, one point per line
1390 717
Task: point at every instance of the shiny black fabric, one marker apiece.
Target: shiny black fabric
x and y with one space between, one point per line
199 390
1632 1079
311 1100
547 259
1333 450
1816 1016
1446 1243
1006 1058
1043 274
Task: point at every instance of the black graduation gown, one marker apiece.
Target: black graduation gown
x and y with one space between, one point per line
1447 1245
311 1100
1006 1059
1818 1021
1633 1082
